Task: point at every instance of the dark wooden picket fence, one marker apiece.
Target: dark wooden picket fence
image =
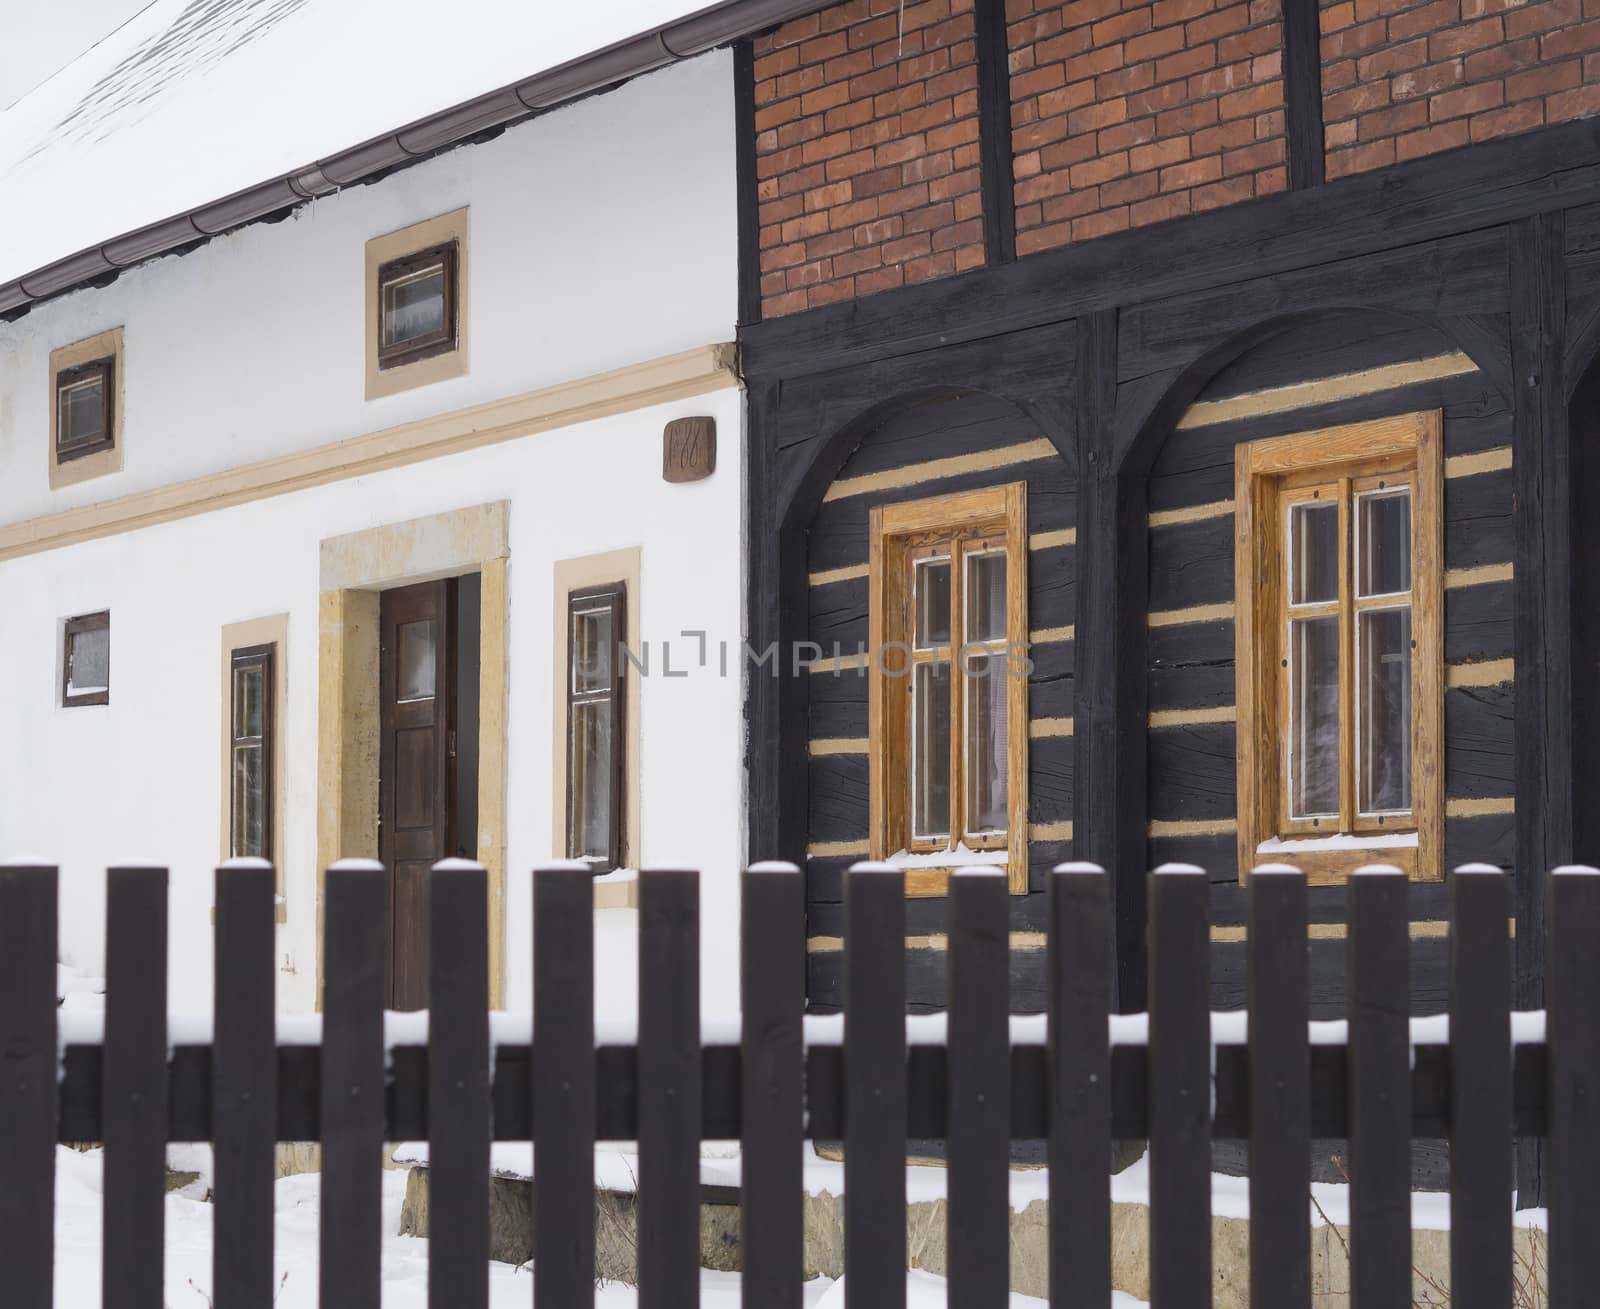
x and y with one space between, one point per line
978 1092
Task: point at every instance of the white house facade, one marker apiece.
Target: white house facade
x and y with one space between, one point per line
304 533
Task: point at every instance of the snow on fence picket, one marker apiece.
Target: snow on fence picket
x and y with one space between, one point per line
460 1078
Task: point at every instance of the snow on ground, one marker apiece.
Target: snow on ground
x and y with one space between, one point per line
405 1258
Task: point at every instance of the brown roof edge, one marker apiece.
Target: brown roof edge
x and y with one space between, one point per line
702 31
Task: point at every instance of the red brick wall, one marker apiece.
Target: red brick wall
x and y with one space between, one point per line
1126 112
1402 78
866 151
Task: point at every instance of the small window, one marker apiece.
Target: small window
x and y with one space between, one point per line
596 636
417 306
251 752
84 398
949 691
86 661
1340 668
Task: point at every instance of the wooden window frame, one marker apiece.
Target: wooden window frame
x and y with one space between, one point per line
447 254
87 461
72 628
104 370
393 370
264 657
993 518
584 599
1269 475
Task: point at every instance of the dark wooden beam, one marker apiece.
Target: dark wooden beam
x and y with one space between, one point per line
1543 616
994 132
744 147
1109 717
1462 191
764 767
1302 92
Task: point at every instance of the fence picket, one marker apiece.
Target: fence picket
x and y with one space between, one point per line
875 1087
1079 970
134 1110
1572 980
1180 1087
1280 1090
772 1109
1480 1089
669 1067
458 1084
1376 982
563 1085
354 952
978 1058
28 934
244 1081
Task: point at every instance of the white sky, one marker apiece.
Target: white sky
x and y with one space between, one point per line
45 35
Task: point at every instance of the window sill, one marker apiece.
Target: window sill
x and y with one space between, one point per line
617 890
1329 860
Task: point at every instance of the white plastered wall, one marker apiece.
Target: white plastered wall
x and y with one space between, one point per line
138 778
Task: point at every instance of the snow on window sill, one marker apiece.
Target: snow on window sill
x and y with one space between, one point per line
1341 841
961 857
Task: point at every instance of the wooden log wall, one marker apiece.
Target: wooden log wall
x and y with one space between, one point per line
936 444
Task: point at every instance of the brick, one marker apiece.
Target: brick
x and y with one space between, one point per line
1040 79
1167 12
1072 204
1543 17
1076 13
826 147
1159 209
1253 100
1226 192
1267 68
1219 80
926 168
1152 45
788 303
1102 59
963 133
1069 152
1159 155
1269 181
1180 177
1187 118
1503 122
957 235
825 197
812 224
823 48
919 68
952 83
1253 158
929 267
1467 100
1571 40
1043 187
1359 99
785 111
1269 124
1337 134
1424 18
1256 41
1235 18
1109 31
772 283
1407 116
809 274
898 151
850 114
970 256
967 182
1044 238
1068 98
1124 81
1125 135
849 166
1396 59
830 293
1103 224
1469 37
828 244
1335 18
969 205
1194 59
848 66
876 183
796 30
1352 41
1434 77
1544 80
1062 46
882 279
879 81
1102 114
1128 190
907 247
1431 140
1224 136
1094 171
1362 158
1336 76
1576 103
919 120
907 197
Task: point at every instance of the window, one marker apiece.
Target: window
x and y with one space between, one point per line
417 306
1340 665
86 661
251 735
83 409
948 717
596 635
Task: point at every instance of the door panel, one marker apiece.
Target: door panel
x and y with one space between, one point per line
415 787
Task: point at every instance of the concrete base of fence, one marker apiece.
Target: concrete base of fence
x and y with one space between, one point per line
616 1245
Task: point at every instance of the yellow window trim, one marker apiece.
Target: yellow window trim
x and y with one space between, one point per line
1260 471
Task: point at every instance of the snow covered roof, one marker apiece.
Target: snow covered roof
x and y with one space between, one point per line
198 115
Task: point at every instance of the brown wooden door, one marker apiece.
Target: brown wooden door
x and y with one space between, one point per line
415 789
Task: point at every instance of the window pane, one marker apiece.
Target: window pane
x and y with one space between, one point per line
1314 717
591 649
932 581
986 596
417 663
247 700
986 743
249 803
83 416
1313 553
589 780
1383 543
930 751
413 306
90 653
1383 689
